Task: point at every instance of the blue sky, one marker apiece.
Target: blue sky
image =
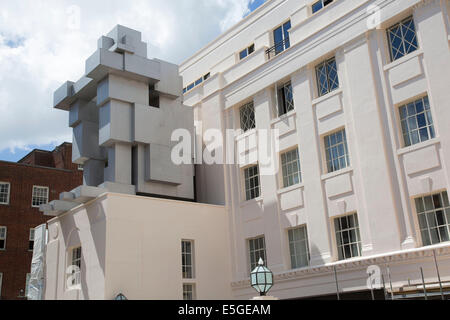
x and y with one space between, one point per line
39 52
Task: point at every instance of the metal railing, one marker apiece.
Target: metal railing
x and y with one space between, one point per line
277 48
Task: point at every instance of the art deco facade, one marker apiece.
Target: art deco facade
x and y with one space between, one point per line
358 93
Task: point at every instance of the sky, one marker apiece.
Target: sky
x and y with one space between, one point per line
44 43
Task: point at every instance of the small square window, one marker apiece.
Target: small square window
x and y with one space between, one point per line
40 196
189 291
246 52
320 5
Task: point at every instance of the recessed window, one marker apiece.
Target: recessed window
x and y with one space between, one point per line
188 291
298 247
206 76
327 77
246 52
280 40
402 38
187 259
80 167
285 99
434 218
336 151
320 5
348 237
31 240
4 192
40 196
75 260
153 97
3 231
257 250
290 165
252 185
417 122
247 117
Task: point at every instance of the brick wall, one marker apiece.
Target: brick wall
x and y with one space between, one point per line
19 216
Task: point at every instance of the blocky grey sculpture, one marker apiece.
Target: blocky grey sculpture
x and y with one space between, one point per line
123 112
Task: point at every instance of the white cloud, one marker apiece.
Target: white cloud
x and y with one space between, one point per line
46 42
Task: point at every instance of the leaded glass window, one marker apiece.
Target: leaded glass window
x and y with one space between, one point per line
327 77
402 38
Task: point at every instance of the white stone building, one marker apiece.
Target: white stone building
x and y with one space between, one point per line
358 92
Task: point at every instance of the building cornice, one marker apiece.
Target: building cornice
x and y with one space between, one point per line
351 265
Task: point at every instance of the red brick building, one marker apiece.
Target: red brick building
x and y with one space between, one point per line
38 178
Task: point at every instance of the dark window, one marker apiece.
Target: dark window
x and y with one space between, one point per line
285 99
320 4
402 38
206 76
247 51
153 97
247 114
327 77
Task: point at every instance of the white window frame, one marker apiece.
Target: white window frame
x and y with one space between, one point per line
247 52
325 149
323 5
284 168
76 274
431 219
185 274
4 238
356 229
31 238
33 195
192 291
8 194
305 244
247 191
254 264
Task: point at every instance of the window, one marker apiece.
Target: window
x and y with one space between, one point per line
40 196
246 52
27 284
76 266
31 240
402 38
187 259
417 122
3 238
285 99
298 247
290 164
153 97
320 5
281 37
257 250
347 237
188 291
336 151
434 218
80 167
252 186
196 82
247 116
327 77
4 192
